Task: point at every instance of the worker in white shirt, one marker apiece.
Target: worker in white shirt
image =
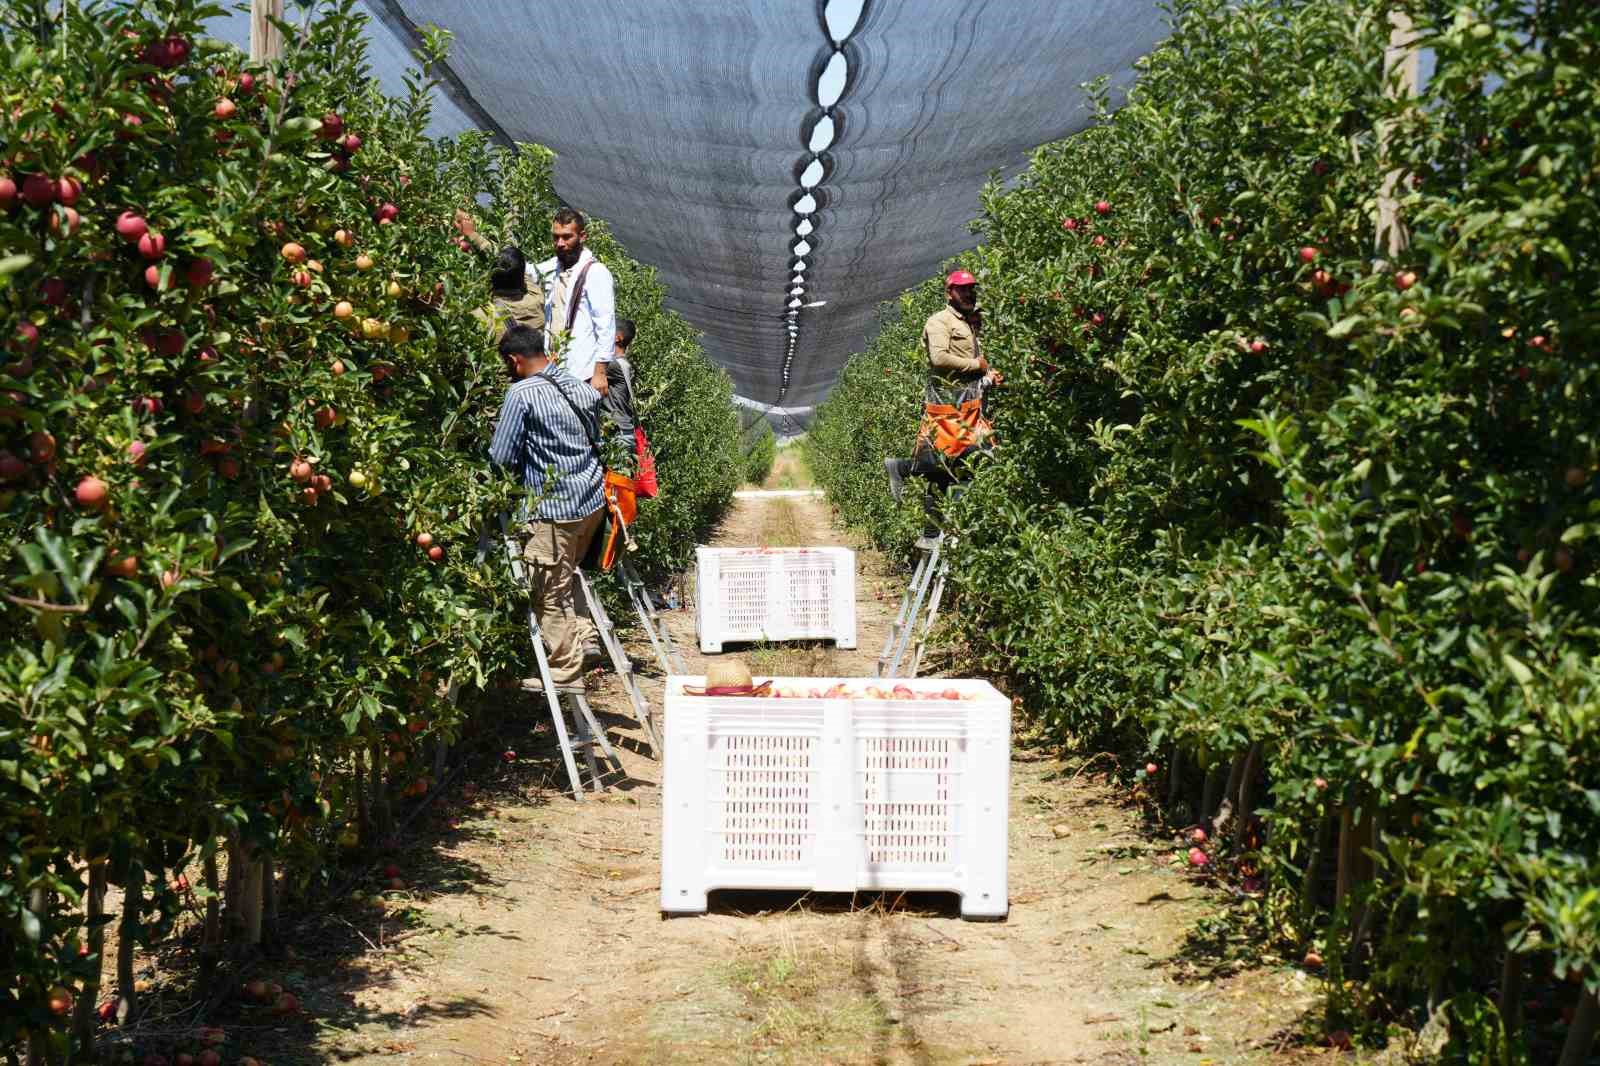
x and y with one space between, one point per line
580 302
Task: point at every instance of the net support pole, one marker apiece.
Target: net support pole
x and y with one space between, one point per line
266 41
1402 66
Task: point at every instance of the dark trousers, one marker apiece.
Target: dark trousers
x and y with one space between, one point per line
941 472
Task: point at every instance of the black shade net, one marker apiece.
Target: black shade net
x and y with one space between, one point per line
692 127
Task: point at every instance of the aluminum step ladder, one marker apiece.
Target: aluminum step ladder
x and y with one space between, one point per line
620 662
654 626
586 735
919 611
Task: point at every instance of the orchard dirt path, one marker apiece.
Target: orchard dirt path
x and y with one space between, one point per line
532 932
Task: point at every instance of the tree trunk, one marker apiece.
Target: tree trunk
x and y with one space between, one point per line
250 896
94 909
38 901
269 901
382 820
1174 778
1308 882
1230 796
1346 878
232 889
128 935
211 931
1247 777
1580 1037
1510 1003
358 788
1211 794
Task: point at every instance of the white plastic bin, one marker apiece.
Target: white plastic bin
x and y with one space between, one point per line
749 594
853 792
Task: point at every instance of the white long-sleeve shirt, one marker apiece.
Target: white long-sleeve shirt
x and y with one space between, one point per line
594 330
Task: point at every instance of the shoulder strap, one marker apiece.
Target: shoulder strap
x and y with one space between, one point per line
575 296
593 443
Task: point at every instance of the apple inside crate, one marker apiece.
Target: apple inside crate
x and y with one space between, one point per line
771 594
837 785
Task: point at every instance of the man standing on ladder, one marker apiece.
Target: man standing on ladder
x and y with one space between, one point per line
548 424
953 416
580 302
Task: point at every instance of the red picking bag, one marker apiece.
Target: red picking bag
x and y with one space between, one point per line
644 481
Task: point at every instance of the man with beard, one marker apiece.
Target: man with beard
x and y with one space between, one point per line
959 376
580 302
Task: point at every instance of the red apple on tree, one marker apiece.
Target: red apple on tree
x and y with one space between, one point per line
8 192
225 109
92 493
152 245
1308 254
38 191
60 1000
130 227
64 223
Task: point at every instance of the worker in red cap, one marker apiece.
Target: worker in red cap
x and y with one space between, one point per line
959 376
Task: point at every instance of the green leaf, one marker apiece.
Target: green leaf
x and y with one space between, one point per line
1346 326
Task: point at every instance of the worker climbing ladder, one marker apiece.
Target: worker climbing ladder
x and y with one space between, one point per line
585 736
654 628
919 611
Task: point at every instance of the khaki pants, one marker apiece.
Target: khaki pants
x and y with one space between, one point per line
552 551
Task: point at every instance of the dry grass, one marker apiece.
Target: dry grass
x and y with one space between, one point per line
809 659
781 526
805 1004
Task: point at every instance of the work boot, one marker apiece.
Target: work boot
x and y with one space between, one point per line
534 684
897 478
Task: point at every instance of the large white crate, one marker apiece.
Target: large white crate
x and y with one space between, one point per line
749 594
837 794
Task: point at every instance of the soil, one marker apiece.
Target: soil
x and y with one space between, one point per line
530 930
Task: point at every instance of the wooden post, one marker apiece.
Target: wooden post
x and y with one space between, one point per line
1400 57
266 42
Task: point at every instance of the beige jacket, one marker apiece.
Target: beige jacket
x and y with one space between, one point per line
950 341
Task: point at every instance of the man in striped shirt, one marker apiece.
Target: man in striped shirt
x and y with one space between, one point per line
547 438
